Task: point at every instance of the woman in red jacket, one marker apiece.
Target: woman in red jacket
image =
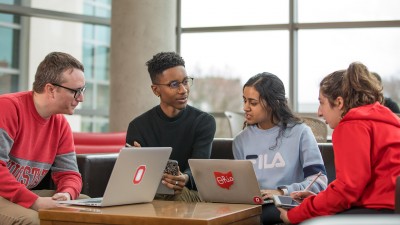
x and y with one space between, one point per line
366 141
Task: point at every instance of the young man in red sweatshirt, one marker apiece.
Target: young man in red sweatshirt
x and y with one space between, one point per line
35 138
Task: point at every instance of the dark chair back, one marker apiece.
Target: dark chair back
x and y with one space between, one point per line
329 160
222 148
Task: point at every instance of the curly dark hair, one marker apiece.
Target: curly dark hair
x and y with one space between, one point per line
162 61
272 93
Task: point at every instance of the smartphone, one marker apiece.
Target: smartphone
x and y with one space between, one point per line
172 167
285 202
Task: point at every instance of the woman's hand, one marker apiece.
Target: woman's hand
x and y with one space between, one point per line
299 196
267 194
284 216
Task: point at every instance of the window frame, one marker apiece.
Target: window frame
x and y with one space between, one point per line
293 27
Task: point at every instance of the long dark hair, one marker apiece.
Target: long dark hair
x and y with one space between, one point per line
272 93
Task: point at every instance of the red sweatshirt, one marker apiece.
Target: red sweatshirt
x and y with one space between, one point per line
366 144
30 146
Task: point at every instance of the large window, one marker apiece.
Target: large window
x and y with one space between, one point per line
323 51
311 11
223 42
211 13
232 56
301 41
96 54
10 26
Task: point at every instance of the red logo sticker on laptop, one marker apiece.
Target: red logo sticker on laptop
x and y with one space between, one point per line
224 180
139 174
258 200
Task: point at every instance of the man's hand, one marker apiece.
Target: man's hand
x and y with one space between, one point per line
61 196
175 182
44 203
135 144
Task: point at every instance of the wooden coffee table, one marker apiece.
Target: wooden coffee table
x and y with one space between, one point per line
156 212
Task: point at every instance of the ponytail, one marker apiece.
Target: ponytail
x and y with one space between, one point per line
360 87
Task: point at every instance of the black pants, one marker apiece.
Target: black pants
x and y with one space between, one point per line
366 211
270 215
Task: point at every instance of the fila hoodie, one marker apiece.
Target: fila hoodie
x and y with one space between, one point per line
290 161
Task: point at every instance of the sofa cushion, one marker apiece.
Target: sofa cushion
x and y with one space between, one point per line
86 143
87 149
111 138
95 170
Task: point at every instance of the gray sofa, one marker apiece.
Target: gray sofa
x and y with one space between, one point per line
96 168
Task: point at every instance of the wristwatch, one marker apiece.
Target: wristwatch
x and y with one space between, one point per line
283 189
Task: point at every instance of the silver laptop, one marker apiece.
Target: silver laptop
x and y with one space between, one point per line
228 181
134 179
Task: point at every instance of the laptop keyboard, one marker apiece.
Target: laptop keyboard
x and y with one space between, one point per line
268 201
93 200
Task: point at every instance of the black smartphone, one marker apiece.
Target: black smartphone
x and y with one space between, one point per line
172 167
285 202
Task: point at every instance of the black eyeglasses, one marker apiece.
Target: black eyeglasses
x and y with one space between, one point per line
187 82
77 92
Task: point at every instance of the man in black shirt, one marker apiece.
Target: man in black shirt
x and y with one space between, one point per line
174 123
